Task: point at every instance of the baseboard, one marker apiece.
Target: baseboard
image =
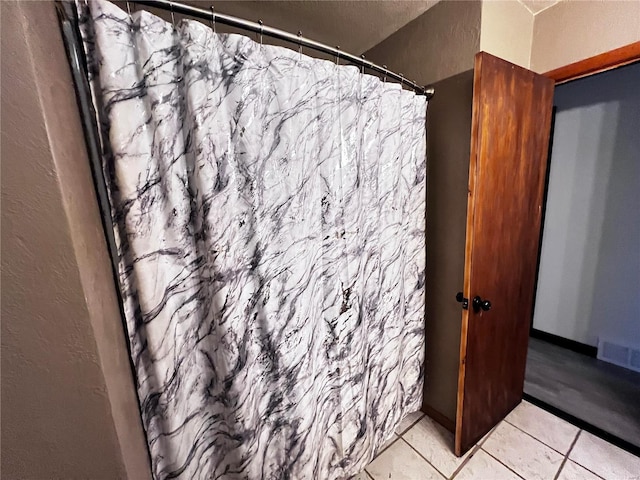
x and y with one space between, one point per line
586 426
439 417
565 343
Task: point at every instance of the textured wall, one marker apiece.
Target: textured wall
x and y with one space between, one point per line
355 25
507 31
438 44
68 405
571 31
589 279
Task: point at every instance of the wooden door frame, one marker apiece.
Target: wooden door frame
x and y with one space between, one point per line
603 62
596 64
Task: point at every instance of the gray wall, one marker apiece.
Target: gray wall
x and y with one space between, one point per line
69 407
438 44
448 150
589 283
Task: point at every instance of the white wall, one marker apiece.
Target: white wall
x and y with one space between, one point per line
507 31
589 283
544 35
570 31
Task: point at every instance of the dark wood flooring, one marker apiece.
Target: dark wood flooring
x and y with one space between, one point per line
601 394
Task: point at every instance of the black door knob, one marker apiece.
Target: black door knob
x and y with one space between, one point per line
479 304
464 301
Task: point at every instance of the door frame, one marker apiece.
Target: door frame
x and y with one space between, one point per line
597 64
610 60
603 62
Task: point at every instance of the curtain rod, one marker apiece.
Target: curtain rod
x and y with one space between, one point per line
212 16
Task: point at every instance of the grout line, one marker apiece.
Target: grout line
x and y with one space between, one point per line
386 447
475 449
422 456
590 471
502 463
398 435
410 426
368 474
486 437
584 425
566 457
579 464
536 438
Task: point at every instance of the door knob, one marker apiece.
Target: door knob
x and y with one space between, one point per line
479 304
464 301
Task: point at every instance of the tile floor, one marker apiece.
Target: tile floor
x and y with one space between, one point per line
529 444
597 392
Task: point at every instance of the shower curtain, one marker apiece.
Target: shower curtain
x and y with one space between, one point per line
268 210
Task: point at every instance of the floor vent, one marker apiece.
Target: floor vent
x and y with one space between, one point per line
621 355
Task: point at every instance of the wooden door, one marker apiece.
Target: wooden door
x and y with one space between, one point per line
509 143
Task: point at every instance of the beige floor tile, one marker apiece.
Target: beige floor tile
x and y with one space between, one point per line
483 466
525 455
401 462
362 476
544 426
573 471
608 461
435 443
408 421
481 441
389 442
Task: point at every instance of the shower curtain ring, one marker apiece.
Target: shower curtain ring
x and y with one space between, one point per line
337 54
213 19
173 20
384 79
300 43
261 29
362 66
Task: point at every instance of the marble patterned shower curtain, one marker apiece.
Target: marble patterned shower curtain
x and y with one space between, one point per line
269 216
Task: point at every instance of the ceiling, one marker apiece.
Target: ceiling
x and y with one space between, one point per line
355 26
536 6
